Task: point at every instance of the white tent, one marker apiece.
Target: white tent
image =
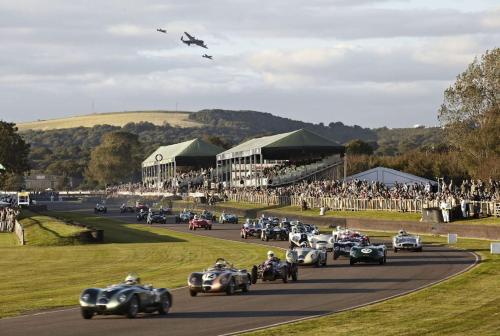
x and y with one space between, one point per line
389 177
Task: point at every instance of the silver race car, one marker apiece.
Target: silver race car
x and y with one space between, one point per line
405 241
307 255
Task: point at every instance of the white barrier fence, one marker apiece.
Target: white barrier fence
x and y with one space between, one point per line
19 230
355 204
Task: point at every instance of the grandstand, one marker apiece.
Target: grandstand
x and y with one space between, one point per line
178 162
280 159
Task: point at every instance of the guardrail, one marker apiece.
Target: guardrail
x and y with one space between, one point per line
19 230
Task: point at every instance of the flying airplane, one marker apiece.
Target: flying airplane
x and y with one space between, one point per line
164 31
207 56
193 40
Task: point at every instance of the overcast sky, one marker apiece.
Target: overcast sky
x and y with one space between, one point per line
367 62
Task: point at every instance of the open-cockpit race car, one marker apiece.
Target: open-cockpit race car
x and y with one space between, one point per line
222 277
100 207
128 298
228 218
185 216
251 229
273 268
405 241
200 223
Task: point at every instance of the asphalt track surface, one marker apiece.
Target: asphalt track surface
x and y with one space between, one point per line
319 291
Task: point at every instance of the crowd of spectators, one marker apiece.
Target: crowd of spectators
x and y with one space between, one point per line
475 190
8 217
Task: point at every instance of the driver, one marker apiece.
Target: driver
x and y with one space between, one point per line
402 232
220 264
132 280
272 257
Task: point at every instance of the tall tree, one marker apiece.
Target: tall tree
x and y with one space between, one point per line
116 160
358 146
470 115
13 152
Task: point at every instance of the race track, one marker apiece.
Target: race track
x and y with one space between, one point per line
319 291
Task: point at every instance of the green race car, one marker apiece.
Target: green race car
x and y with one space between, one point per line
368 254
128 298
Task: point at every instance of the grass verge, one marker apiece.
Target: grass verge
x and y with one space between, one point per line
43 230
40 277
464 305
8 239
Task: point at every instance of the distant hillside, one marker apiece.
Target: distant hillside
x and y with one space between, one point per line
62 150
177 119
260 123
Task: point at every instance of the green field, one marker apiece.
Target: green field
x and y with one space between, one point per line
39 277
8 239
176 119
464 305
42 230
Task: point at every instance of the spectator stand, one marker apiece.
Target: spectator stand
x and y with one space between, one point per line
256 162
180 165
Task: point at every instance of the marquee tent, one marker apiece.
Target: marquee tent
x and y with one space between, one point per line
389 177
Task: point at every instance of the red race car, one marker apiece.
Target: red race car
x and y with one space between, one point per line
198 223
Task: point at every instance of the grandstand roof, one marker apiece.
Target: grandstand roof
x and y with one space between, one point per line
187 152
280 146
389 176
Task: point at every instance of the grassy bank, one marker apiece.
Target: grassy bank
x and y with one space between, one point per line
8 239
38 277
464 305
43 230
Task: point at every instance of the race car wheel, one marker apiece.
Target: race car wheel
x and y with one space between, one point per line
395 250
246 287
133 307
245 235
381 261
210 228
193 292
420 249
284 274
295 274
318 263
254 274
352 261
87 314
231 287
206 227
164 306
335 255
324 262
267 238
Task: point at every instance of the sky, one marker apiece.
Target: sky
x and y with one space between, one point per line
371 63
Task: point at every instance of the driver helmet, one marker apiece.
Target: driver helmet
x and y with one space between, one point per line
132 279
270 254
402 232
303 244
220 263
195 217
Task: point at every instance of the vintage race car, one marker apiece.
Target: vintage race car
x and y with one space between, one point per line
405 241
126 208
368 254
185 217
342 247
208 216
311 256
228 218
301 232
251 230
124 299
100 208
156 217
320 241
342 233
197 223
140 206
142 216
222 277
273 232
270 270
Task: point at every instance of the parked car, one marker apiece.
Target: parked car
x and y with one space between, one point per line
128 298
